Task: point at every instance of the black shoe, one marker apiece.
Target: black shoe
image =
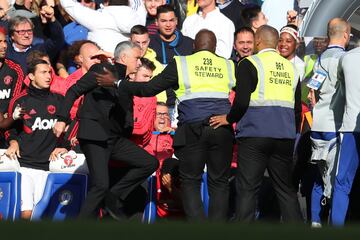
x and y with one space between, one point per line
114 207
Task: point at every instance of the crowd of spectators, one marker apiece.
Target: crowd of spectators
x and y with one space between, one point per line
47 46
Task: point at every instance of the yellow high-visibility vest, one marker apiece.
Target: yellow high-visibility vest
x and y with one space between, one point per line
151 55
204 75
277 80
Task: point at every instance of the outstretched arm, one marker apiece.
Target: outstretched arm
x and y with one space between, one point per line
168 78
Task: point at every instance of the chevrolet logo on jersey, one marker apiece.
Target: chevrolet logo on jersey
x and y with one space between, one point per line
43 124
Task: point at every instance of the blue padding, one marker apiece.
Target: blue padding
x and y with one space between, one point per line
158 133
63 196
150 211
205 193
10 195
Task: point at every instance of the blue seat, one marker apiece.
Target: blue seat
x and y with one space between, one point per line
63 196
205 193
10 195
150 211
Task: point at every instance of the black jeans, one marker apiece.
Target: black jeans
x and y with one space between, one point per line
254 156
98 153
212 147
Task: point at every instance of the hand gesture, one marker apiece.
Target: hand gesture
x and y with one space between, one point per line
167 130
13 152
218 121
18 112
292 17
47 14
56 152
166 181
59 128
103 56
106 79
74 141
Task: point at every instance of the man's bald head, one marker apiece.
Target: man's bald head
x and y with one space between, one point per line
205 40
337 27
266 37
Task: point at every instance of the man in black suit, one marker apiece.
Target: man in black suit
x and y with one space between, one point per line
106 121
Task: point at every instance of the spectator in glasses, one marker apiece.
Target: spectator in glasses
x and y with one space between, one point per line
21 31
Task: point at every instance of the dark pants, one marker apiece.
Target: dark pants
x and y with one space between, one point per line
212 147
97 154
254 156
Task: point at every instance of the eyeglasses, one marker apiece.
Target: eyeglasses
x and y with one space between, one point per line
162 114
22 32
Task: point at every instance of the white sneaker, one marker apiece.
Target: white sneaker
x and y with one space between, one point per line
316 225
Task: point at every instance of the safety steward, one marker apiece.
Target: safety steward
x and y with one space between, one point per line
267 94
202 82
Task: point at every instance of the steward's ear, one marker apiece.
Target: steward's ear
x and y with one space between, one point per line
31 76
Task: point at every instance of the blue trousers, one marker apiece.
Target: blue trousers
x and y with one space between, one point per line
318 188
348 164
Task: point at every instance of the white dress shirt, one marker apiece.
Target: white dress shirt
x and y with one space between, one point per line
214 21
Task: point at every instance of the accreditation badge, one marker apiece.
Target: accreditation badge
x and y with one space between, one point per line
316 80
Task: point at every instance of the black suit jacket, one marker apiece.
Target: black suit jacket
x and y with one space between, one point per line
105 112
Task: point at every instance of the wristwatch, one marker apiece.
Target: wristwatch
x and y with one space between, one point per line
117 82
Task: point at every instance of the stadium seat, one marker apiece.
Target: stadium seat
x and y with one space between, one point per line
10 199
150 211
63 196
205 193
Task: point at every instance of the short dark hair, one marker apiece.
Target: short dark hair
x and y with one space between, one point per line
74 49
148 64
162 104
138 30
243 30
34 55
32 65
164 9
250 13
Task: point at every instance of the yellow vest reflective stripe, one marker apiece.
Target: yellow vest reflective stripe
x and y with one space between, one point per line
204 75
277 80
310 61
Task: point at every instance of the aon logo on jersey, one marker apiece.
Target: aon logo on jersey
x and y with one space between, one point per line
43 124
5 93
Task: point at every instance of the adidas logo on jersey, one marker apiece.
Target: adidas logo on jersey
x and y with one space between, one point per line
43 124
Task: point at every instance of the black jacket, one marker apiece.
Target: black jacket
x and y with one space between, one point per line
11 83
35 135
233 12
105 112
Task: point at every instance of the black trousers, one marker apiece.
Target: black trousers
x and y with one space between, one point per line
212 147
254 156
98 154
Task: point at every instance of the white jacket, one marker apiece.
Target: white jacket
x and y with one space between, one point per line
107 26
